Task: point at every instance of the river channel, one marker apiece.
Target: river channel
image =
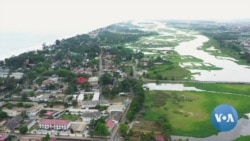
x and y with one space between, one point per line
230 72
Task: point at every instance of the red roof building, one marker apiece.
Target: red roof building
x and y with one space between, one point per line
54 124
110 124
52 139
49 113
81 80
3 137
159 138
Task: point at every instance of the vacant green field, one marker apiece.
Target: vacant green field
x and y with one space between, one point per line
189 112
243 138
168 72
226 52
188 58
146 127
70 117
228 88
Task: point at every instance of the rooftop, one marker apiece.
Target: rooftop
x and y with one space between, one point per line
3 137
95 102
52 139
78 126
159 138
81 80
49 113
110 123
2 104
91 114
54 121
14 122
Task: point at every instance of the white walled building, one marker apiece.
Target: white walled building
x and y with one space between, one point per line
54 124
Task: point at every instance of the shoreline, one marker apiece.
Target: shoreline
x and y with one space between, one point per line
34 40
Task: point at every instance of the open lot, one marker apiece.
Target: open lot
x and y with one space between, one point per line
70 117
189 111
220 87
146 127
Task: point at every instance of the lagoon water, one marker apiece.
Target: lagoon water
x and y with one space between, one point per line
169 87
231 71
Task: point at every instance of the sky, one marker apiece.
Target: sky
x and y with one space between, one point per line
71 16
26 24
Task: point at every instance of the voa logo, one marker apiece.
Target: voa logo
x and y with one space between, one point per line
224 117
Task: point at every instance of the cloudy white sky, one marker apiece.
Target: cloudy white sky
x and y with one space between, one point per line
72 16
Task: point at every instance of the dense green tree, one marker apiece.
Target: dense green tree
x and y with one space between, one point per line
46 138
123 128
86 86
139 55
98 128
24 97
138 98
57 42
19 104
74 103
101 129
106 79
147 137
3 114
9 106
71 89
23 129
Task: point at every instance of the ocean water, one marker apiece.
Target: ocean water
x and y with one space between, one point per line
15 43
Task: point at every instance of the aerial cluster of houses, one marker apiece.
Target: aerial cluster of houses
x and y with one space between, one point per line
42 119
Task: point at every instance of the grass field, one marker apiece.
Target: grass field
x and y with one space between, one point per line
70 117
228 88
189 112
168 72
243 138
146 127
226 52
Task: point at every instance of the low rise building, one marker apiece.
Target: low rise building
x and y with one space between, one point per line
3 137
93 104
116 108
88 116
13 123
54 124
110 124
93 81
34 110
2 104
10 112
16 75
78 127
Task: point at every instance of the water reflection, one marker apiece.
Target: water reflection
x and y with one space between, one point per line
170 87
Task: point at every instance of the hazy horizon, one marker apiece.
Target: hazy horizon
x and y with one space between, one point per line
26 23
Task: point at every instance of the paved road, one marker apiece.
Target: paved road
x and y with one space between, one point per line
64 138
134 71
100 72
